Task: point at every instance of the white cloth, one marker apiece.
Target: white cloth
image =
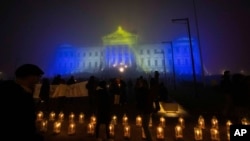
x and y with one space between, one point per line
74 90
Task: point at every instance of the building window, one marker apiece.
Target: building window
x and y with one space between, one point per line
177 49
148 51
170 62
156 63
141 51
89 64
155 50
95 64
148 62
178 61
90 54
83 64
96 53
142 60
83 54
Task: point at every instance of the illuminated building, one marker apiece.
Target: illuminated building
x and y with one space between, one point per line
122 51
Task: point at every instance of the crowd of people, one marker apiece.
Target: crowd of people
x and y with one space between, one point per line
105 98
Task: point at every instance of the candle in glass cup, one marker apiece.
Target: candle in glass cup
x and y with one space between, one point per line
71 117
160 132
244 121
214 134
181 122
57 127
143 133
214 122
228 125
91 129
124 120
72 128
150 124
126 131
93 119
81 118
138 121
178 132
111 130
228 135
39 116
44 126
162 122
201 122
52 116
114 119
61 116
198 134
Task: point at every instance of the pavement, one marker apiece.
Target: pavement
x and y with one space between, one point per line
170 111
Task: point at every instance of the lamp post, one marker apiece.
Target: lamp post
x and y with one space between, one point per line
173 66
186 20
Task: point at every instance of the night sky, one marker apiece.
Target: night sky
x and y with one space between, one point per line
31 29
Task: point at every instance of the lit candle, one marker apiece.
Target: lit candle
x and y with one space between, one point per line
114 120
72 128
39 116
214 134
57 127
71 117
160 132
214 122
52 116
228 125
178 132
91 129
61 116
244 121
81 118
127 131
93 119
162 121
111 130
198 134
228 135
124 120
181 122
143 133
201 122
138 121
150 124
44 126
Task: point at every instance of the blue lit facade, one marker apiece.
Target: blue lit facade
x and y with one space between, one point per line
122 50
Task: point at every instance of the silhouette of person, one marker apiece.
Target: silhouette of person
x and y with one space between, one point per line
44 94
226 87
91 87
18 94
103 108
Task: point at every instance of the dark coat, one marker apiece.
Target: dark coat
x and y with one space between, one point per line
103 105
18 113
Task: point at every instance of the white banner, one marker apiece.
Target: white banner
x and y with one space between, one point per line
74 90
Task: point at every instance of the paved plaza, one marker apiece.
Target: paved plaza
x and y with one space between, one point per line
168 112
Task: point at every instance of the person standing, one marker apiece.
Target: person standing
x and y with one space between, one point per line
17 96
103 108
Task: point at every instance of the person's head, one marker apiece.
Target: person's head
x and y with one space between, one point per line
28 74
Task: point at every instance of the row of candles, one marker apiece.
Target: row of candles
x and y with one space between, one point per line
198 129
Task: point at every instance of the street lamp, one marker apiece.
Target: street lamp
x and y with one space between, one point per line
186 21
173 65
